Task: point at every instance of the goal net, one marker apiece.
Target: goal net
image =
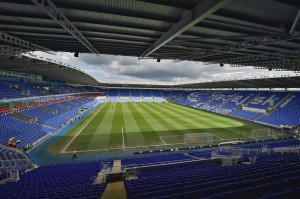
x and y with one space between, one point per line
263 133
200 138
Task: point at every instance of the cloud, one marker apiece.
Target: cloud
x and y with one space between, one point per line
110 68
91 59
163 71
128 61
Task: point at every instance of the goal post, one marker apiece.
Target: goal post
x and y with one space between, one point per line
200 138
263 133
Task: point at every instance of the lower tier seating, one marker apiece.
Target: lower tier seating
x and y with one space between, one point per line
59 181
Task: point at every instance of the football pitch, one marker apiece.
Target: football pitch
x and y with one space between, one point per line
124 126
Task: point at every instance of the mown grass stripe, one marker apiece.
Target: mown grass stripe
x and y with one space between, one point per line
225 128
188 125
132 133
173 131
204 114
148 132
82 141
173 127
161 127
157 125
101 133
63 141
198 125
116 139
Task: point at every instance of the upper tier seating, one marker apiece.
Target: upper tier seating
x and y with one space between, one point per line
7 92
267 99
124 92
183 98
64 88
288 113
241 98
165 93
221 98
146 93
113 93
205 97
175 94
156 93
25 87
135 92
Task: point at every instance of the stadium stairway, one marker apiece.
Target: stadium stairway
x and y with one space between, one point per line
18 90
64 106
45 125
228 100
282 100
12 159
38 88
116 188
257 117
17 151
192 156
213 98
253 98
23 118
47 110
117 167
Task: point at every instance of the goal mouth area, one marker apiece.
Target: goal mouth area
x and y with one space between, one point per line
263 133
204 138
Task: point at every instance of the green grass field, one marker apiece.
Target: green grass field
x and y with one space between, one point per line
124 126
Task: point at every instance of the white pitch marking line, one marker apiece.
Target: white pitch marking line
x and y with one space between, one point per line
123 138
162 140
120 148
63 151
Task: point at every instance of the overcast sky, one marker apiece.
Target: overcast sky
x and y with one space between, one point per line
109 68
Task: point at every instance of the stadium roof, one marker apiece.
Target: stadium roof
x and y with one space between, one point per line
278 82
271 83
260 33
61 72
48 70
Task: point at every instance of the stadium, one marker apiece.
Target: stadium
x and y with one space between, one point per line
68 133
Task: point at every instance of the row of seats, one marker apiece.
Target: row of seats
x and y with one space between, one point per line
159 159
15 88
7 92
59 181
26 132
216 181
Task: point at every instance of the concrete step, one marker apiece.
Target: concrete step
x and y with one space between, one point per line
114 190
